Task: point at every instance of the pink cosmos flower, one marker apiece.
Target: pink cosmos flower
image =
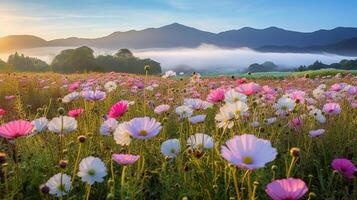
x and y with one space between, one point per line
296 123
10 97
14 129
316 133
74 86
298 95
352 90
286 189
216 96
2 112
332 108
248 88
75 112
345 167
241 81
336 87
143 127
118 109
125 159
161 108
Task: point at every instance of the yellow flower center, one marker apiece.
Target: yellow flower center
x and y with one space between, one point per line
247 160
143 133
237 112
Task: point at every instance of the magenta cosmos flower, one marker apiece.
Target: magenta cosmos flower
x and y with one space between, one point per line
216 95
118 109
125 159
286 189
74 86
16 129
75 112
332 108
248 88
143 127
345 167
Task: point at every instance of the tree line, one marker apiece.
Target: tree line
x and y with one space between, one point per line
81 60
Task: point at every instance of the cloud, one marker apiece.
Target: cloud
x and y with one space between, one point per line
205 57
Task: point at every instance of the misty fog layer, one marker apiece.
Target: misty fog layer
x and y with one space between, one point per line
205 57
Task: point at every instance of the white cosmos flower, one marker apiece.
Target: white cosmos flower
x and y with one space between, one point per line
238 108
225 117
70 97
110 86
59 184
284 105
317 114
184 111
255 124
197 119
316 133
69 124
122 135
271 120
171 148
40 124
91 170
108 126
169 74
200 141
247 151
232 96
197 104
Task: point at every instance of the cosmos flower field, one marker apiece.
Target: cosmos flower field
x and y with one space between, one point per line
123 136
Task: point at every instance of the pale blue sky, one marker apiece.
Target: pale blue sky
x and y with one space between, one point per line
51 19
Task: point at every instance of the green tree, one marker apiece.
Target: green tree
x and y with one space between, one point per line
75 60
27 64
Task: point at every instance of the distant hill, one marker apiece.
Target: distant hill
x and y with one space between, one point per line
178 35
264 67
346 47
14 42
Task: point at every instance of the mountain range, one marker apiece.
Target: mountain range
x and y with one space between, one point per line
340 40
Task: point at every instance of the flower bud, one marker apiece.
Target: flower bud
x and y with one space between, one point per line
82 138
147 67
295 152
2 158
44 189
60 111
63 164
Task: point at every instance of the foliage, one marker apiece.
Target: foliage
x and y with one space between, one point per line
343 64
27 64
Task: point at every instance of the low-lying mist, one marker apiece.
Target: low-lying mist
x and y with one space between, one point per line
203 58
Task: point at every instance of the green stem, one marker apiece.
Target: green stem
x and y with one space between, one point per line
291 167
122 182
76 162
88 191
236 183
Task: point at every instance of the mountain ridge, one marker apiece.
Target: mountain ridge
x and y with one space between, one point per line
179 35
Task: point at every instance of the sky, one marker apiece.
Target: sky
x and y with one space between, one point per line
52 19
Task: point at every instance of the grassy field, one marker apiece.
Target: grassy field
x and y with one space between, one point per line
279 127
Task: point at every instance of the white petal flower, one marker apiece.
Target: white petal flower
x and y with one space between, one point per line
184 111
110 86
249 152
64 123
232 96
108 126
121 135
171 148
70 97
91 170
40 124
59 184
200 141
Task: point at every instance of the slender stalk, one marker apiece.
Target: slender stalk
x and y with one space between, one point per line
288 173
88 191
122 182
236 183
76 162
